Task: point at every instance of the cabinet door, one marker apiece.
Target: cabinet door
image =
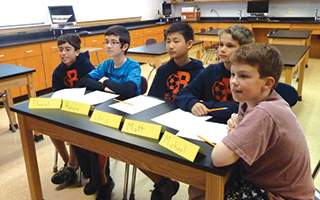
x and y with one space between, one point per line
38 76
96 41
15 92
51 60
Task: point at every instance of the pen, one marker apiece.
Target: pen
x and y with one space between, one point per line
207 141
215 109
123 102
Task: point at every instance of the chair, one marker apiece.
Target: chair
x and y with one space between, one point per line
12 126
288 93
210 49
148 42
144 88
314 174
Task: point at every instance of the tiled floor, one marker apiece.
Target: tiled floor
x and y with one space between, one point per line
14 185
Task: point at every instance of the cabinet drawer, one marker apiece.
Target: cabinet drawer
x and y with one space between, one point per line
136 33
93 40
28 51
152 31
49 47
7 54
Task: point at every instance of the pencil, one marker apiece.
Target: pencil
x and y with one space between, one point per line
123 102
207 141
215 109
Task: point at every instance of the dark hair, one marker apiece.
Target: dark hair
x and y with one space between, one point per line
73 39
266 58
239 33
182 28
122 32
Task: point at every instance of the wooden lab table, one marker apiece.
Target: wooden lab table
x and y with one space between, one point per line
294 57
142 152
157 53
14 76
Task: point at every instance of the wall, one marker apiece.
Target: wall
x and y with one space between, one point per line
277 8
109 9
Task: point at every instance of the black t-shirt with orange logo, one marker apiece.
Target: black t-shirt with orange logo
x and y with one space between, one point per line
170 78
69 77
212 88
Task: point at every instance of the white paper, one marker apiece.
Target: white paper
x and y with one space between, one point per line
77 95
178 119
138 104
97 97
71 94
190 126
211 131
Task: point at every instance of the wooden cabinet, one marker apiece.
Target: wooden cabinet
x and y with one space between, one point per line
51 59
96 41
153 32
26 56
136 38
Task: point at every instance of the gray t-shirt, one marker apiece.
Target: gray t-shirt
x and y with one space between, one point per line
273 148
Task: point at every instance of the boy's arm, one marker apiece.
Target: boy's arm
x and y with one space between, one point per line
91 84
126 90
153 90
223 156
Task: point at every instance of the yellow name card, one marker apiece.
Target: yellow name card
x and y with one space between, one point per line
76 107
44 103
180 146
106 119
142 128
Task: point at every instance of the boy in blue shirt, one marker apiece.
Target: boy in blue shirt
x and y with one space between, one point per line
74 65
210 89
120 75
170 78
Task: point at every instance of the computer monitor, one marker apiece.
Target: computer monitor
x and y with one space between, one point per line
257 8
62 15
166 9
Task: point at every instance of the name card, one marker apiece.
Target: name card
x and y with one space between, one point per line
76 107
106 119
180 146
142 128
44 103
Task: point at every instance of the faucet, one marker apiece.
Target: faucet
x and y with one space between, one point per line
316 14
215 12
240 14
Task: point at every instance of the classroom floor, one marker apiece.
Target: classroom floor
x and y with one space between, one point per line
14 185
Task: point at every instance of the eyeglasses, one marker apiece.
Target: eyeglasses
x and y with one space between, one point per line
112 43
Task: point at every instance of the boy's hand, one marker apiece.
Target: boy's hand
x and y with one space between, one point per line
199 109
106 89
232 122
103 79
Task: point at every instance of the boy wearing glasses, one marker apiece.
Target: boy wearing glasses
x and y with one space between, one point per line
120 75
74 65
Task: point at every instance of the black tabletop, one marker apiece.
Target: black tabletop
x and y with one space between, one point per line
81 123
154 49
212 32
7 70
291 54
294 34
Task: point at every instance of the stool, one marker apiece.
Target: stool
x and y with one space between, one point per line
12 126
92 50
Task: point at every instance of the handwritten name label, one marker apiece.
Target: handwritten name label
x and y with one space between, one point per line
76 107
142 128
180 146
106 119
47 103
